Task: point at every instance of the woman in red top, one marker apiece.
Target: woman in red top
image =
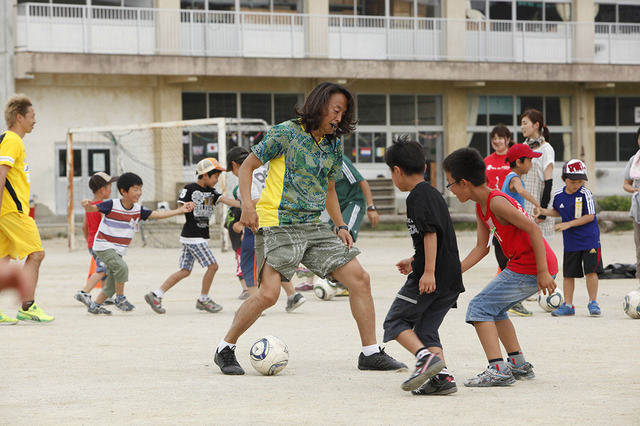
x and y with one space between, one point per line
497 166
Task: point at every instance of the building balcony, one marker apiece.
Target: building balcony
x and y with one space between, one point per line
191 33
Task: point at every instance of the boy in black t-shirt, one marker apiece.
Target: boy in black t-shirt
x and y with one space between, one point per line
195 236
434 276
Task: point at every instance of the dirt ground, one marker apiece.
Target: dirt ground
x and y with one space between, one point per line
145 368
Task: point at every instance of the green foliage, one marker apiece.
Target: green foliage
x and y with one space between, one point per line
616 203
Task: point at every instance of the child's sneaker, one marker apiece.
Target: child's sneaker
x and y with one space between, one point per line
564 311
34 314
208 305
123 304
426 367
439 384
83 297
295 302
519 309
155 302
524 371
226 360
109 301
7 320
304 287
594 308
380 361
491 377
98 310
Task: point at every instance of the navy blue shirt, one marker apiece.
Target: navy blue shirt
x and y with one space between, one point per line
584 237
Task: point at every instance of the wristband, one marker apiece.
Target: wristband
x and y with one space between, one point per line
342 227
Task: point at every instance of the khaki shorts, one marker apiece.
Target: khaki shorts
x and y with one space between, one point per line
313 244
19 236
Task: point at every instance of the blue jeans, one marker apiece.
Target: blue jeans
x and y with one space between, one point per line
501 294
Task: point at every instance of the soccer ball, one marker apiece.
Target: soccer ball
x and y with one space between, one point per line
324 289
632 304
269 355
550 302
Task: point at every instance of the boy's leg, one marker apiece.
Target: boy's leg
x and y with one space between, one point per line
568 288
487 332
592 285
174 279
93 281
207 278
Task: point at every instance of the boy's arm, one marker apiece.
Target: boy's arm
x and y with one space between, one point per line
404 266
519 188
546 212
480 250
88 207
333 208
229 201
85 228
563 226
249 217
504 210
182 209
428 279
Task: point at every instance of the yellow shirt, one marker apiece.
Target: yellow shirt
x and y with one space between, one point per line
17 188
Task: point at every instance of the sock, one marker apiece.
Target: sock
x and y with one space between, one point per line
159 293
224 344
27 305
370 350
444 373
498 364
516 358
120 297
203 298
422 352
292 296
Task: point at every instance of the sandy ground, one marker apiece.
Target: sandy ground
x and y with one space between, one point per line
145 368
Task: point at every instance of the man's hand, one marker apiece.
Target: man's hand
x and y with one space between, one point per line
374 218
346 237
249 217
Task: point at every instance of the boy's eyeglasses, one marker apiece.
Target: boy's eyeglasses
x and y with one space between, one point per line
449 185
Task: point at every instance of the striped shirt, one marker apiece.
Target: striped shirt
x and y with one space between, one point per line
118 225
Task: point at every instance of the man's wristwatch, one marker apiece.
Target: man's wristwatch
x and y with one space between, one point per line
371 208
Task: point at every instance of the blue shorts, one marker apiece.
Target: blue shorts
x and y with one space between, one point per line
100 266
248 256
501 294
192 252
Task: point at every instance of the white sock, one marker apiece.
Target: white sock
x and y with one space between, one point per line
159 293
224 344
292 296
424 352
203 298
370 350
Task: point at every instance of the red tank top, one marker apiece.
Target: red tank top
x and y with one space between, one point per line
93 222
515 243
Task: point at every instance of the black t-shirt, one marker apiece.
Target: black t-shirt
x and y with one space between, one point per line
197 224
427 212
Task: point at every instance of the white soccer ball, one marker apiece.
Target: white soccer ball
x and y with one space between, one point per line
551 302
324 289
632 304
269 355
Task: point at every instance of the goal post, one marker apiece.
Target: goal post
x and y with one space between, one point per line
164 155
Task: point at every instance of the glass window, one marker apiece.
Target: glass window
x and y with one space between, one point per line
340 7
222 5
524 103
372 109
401 8
479 6
138 3
194 106
606 146
481 115
255 5
500 110
557 12
629 13
606 111
77 163
429 110
529 11
370 7
192 4
480 141
628 146
256 105
554 114
287 5
99 161
365 147
402 110
284 106
626 111
203 144
606 13
349 147
223 105
500 10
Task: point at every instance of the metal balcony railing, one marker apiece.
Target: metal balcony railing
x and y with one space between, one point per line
138 31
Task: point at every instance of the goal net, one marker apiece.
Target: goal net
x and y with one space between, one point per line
164 155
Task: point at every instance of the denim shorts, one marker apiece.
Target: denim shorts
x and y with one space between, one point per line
501 294
100 266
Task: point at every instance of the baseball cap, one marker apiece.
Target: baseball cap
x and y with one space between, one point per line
520 150
574 170
237 154
100 179
208 164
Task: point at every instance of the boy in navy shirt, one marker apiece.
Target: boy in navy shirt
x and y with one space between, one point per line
580 234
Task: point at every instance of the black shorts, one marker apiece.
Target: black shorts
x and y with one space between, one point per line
422 313
574 261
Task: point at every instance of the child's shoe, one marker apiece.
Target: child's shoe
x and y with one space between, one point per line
155 302
440 384
491 377
524 371
519 309
426 367
83 297
564 311
98 310
594 308
208 305
109 301
123 304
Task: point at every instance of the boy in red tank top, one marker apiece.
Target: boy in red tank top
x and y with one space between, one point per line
531 268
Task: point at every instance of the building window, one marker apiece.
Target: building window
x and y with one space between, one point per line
398 8
111 3
285 6
484 112
621 12
616 127
533 10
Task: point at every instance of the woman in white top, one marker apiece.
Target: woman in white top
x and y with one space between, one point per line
539 179
632 185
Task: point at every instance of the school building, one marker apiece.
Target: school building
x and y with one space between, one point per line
444 71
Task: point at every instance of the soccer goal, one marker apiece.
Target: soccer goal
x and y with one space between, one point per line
164 155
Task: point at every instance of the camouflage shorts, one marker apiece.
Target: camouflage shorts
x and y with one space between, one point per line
312 244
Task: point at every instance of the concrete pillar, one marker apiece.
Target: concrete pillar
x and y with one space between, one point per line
168 27
584 15
456 37
7 51
317 28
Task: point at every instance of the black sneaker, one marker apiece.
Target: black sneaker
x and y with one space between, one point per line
426 367
437 385
227 361
380 361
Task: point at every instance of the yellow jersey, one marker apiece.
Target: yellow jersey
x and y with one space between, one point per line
17 188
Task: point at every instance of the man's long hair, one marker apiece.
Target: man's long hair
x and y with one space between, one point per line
315 108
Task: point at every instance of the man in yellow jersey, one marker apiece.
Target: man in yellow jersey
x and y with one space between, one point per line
19 236
305 160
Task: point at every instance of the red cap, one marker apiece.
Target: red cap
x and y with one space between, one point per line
520 150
